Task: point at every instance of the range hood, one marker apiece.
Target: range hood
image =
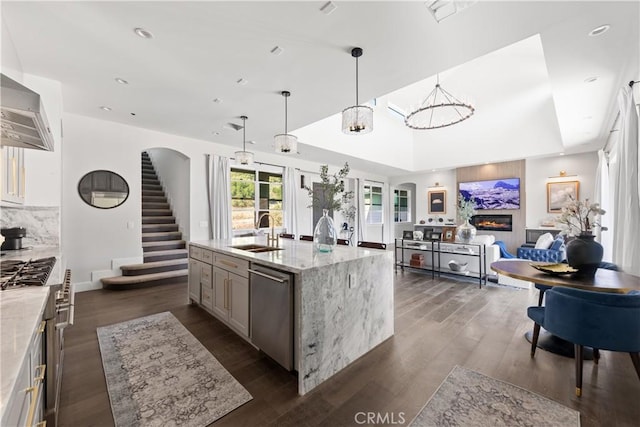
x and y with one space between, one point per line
24 123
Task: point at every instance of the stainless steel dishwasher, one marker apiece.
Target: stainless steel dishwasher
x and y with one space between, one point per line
272 313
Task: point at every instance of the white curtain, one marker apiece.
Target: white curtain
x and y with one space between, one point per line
623 168
362 215
602 195
290 200
219 197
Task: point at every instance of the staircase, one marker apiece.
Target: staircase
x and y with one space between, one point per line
165 253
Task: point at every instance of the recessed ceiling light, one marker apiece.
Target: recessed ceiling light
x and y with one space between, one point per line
242 81
599 30
588 117
328 7
218 101
251 142
560 154
590 79
122 81
133 114
143 33
277 50
215 132
105 108
433 170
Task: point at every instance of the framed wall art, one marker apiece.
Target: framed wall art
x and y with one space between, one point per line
559 193
448 234
437 201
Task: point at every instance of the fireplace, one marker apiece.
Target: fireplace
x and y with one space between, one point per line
493 222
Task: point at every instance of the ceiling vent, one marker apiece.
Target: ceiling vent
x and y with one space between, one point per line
232 126
442 9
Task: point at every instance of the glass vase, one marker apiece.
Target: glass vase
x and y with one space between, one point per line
325 236
466 232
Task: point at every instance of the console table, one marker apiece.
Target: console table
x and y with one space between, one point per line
461 252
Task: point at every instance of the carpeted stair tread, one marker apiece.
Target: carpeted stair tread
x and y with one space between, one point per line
155 267
156 212
149 246
155 205
165 255
158 219
157 236
143 278
158 228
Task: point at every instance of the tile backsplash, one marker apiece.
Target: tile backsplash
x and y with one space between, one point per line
42 223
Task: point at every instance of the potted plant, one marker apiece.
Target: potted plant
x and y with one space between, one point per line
466 232
330 196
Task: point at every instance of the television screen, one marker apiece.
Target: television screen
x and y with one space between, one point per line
492 194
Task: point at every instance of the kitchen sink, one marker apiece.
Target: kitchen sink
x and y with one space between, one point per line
256 248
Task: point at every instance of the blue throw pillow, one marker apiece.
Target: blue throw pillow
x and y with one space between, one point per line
557 243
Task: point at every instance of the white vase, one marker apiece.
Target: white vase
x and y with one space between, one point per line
466 232
325 236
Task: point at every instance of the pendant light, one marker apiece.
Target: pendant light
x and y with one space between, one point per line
244 157
438 110
285 143
357 120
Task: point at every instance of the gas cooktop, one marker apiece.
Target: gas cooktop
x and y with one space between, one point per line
35 272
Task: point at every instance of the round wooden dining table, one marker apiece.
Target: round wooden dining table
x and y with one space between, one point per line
603 281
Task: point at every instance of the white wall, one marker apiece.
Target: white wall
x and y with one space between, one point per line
446 180
174 172
95 237
539 171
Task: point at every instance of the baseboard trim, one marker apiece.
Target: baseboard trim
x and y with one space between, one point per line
87 286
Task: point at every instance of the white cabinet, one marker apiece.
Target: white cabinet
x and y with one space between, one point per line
25 404
220 284
232 299
12 175
195 268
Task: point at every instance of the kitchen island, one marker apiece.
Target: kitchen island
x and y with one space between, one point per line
342 300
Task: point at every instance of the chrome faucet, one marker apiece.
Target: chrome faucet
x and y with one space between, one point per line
273 239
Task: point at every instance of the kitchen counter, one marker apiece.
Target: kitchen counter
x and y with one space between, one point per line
343 301
21 312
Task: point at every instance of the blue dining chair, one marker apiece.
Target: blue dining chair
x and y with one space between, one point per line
600 320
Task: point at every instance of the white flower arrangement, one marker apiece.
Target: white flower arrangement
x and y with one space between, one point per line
580 217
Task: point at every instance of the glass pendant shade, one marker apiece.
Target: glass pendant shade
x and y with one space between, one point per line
244 157
286 143
357 120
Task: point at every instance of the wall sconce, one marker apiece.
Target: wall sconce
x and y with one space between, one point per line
562 174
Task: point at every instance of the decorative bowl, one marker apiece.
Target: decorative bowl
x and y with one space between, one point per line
456 266
554 268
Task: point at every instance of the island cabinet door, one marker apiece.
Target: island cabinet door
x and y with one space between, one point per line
221 293
195 270
239 303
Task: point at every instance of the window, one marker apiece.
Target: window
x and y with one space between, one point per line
401 206
373 204
254 193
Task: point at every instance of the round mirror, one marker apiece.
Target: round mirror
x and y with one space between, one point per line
103 189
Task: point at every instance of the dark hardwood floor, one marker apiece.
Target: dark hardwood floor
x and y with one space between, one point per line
439 324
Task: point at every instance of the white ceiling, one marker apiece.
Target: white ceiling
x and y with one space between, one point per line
523 64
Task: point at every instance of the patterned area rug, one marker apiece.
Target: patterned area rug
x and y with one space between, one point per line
468 398
158 374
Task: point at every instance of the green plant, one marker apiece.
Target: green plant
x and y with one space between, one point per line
465 208
330 193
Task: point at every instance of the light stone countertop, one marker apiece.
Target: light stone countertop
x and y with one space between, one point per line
296 255
21 312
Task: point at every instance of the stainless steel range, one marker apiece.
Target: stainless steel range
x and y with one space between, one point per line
16 274
58 314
